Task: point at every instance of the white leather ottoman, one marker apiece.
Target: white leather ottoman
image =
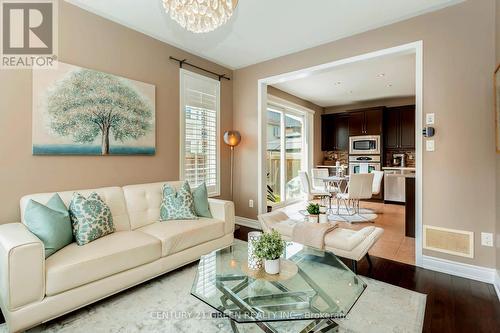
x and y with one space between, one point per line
345 243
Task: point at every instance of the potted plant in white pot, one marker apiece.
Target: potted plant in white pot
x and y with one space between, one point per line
313 210
270 247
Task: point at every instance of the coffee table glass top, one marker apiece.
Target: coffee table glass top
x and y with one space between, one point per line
317 285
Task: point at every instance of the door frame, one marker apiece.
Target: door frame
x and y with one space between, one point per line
415 48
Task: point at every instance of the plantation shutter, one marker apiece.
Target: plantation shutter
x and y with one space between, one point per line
200 111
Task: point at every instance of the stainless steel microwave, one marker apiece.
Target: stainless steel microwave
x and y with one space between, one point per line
366 144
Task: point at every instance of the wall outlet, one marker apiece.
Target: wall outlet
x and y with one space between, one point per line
429 145
250 203
429 119
486 239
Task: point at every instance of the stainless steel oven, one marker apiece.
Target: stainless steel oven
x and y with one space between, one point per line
366 144
364 164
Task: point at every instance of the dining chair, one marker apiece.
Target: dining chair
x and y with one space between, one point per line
377 182
307 189
360 187
318 174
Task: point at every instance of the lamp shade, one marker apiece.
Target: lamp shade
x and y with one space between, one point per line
232 138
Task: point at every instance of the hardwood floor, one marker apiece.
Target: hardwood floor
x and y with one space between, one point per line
454 304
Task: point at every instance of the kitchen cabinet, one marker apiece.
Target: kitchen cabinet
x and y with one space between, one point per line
410 207
341 126
334 132
366 121
356 123
327 132
399 127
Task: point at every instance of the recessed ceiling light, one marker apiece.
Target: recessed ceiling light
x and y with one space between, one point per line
389 85
380 75
338 83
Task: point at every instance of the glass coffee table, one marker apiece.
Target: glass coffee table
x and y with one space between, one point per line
314 287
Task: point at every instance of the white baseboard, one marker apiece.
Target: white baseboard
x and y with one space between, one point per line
496 284
245 221
478 273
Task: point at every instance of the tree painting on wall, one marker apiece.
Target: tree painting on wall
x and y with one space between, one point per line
78 111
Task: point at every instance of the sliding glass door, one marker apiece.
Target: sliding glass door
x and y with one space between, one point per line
286 154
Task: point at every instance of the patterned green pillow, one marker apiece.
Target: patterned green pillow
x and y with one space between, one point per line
91 218
177 205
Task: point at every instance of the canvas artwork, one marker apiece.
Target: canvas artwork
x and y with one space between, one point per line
79 111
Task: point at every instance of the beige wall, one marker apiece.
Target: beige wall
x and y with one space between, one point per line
389 102
90 41
497 238
318 111
459 55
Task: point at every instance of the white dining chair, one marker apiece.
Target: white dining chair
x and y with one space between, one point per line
318 174
378 176
307 189
360 187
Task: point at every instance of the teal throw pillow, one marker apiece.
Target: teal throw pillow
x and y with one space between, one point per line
91 218
50 223
177 205
200 197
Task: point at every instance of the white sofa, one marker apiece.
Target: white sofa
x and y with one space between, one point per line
34 290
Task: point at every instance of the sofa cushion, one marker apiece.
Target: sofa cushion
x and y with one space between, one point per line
75 265
177 204
143 202
179 235
91 218
112 196
50 223
200 201
346 239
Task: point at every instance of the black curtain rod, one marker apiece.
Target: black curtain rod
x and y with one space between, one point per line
184 62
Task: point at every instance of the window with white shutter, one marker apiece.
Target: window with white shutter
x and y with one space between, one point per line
200 111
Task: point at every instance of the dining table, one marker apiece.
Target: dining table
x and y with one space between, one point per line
335 184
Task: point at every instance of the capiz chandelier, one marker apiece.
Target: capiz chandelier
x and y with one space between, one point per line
200 16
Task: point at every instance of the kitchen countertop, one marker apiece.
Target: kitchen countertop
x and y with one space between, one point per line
399 168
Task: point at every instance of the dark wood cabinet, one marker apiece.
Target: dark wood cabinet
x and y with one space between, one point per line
410 207
337 127
408 127
342 132
399 127
334 132
366 122
327 132
356 123
391 128
373 121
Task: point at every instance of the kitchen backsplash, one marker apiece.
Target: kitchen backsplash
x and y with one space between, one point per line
330 157
409 157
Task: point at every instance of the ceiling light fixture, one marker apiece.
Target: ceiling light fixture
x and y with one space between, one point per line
380 75
338 83
200 16
389 85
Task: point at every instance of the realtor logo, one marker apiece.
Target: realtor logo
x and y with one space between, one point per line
28 33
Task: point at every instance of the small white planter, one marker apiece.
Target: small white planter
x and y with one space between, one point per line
313 218
272 266
323 218
322 209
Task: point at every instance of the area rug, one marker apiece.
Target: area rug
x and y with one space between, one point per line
364 215
165 305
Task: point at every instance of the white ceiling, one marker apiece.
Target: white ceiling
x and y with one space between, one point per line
264 29
382 77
